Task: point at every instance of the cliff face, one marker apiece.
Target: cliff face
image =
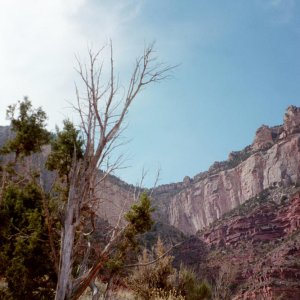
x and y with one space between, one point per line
267 221
258 246
272 160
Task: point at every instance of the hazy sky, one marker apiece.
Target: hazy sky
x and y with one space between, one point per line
239 68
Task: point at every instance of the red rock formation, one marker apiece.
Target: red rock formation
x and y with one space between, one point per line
266 223
273 159
263 243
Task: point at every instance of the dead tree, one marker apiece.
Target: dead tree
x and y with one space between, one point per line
102 110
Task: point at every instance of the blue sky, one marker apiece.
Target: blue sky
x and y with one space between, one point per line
238 69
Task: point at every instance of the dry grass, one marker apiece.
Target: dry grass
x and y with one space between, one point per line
121 294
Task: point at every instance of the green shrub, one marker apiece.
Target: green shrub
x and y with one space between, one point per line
155 278
190 287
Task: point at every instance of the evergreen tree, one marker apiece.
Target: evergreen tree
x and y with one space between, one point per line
139 221
25 259
24 250
65 145
29 128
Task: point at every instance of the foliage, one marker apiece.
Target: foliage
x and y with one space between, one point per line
159 294
25 259
65 145
155 278
102 111
190 287
24 250
148 278
139 217
29 128
139 221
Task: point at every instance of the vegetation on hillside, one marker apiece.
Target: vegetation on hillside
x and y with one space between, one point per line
155 277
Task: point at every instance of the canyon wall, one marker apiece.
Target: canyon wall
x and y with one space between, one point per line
272 160
255 248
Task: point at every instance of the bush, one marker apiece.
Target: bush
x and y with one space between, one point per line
149 279
190 287
159 280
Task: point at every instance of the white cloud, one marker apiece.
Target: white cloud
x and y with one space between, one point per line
38 41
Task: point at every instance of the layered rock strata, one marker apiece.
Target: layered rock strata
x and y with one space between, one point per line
261 244
272 160
267 222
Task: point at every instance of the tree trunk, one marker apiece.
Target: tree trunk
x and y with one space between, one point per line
64 284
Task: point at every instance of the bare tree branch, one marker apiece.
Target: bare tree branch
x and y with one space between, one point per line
102 112
153 261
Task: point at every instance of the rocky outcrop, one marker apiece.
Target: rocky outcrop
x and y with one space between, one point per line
267 221
257 247
263 138
292 120
272 159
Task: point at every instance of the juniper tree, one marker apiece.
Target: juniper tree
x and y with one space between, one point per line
25 260
65 144
29 127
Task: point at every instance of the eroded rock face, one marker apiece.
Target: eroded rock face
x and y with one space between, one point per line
273 159
207 200
258 246
263 138
267 222
114 199
292 120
